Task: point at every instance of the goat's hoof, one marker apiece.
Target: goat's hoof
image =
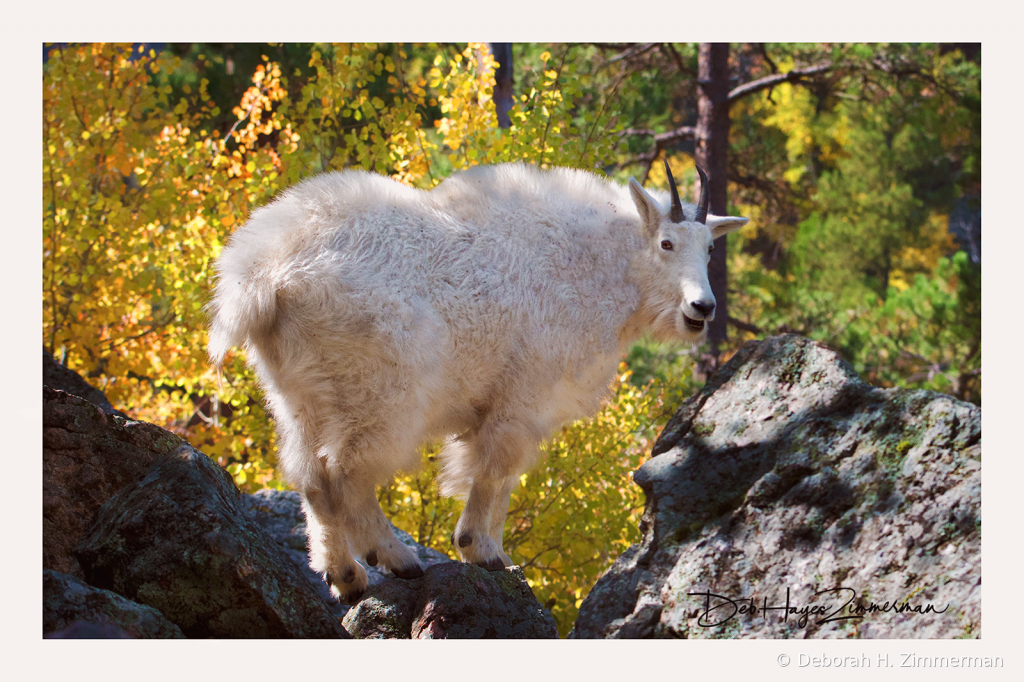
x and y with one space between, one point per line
354 597
347 583
408 572
494 564
400 559
348 595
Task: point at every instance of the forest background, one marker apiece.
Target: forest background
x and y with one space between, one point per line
859 166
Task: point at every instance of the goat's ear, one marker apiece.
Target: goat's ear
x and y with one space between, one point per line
724 224
646 206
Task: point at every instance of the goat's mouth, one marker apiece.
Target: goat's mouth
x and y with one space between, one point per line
692 324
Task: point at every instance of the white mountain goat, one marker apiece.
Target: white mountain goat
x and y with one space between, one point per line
488 311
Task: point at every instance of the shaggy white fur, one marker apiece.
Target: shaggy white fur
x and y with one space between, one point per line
488 311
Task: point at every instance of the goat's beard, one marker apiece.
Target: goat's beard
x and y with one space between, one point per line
670 325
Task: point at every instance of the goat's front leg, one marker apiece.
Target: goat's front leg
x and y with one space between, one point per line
498 513
473 534
370 534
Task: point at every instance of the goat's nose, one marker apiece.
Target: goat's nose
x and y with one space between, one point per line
705 308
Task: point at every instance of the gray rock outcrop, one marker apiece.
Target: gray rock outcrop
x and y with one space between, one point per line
452 601
70 604
83 629
179 540
88 456
162 530
789 480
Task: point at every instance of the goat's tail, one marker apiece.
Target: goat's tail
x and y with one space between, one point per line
243 308
455 478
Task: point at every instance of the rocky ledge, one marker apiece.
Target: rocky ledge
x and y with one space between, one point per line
146 537
789 498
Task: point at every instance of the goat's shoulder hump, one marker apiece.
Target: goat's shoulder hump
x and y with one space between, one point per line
349 185
524 181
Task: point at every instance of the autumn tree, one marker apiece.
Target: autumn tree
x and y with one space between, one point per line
143 186
504 96
781 159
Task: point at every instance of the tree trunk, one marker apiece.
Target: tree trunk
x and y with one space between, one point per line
502 53
712 148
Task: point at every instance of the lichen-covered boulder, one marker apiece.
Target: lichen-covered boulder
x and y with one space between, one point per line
386 611
179 540
791 499
69 604
452 601
88 456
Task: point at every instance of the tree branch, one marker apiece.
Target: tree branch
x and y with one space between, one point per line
764 55
670 48
682 133
745 326
633 51
661 140
793 76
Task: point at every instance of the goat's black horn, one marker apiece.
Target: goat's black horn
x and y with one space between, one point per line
702 206
676 214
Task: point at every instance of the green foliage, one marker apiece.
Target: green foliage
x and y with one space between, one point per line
855 184
579 510
664 363
923 336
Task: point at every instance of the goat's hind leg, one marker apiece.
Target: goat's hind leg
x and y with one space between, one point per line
346 523
329 551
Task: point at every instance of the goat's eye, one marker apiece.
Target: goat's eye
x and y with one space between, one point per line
711 248
666 244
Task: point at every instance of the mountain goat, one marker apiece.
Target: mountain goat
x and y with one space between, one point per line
487 311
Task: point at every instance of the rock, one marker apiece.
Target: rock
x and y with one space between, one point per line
179 540
88 456
59 377
452 601
386 611
789 479
75 610
279 512
84 630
